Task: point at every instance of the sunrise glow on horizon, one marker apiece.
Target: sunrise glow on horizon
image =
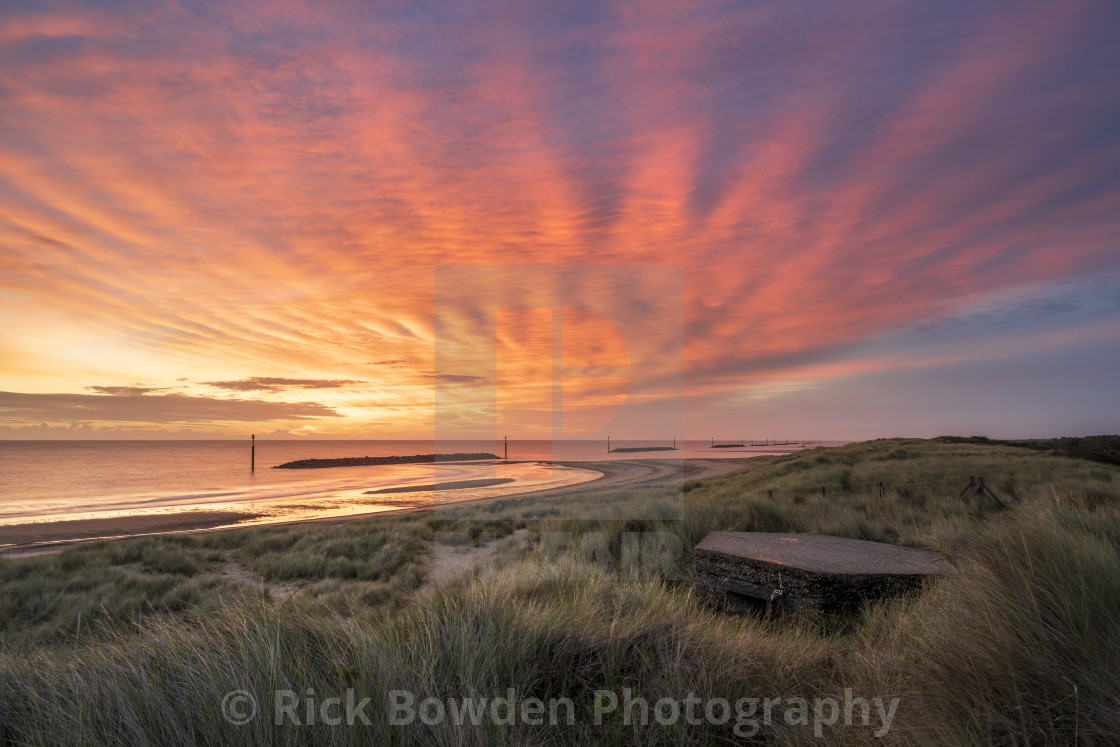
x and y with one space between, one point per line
358 220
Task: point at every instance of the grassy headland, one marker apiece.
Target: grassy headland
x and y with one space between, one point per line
138 641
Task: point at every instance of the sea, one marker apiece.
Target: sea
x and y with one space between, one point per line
50 481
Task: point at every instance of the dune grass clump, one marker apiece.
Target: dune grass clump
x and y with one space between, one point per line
97 589
1025 640
366 551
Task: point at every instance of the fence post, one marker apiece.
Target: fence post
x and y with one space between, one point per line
822 491
882 491
985 490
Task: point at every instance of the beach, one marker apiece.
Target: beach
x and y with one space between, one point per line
22 537
36 537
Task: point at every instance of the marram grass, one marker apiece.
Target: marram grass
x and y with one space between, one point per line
138 641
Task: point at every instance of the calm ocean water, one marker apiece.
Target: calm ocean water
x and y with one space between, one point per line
55 480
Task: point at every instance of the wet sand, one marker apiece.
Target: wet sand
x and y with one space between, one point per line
619 474
616 475
50 533
455 485
47 536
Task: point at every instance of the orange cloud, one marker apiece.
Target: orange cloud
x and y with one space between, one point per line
270 187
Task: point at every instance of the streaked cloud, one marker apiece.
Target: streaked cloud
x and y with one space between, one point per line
193 194
133 389
275 384
167 409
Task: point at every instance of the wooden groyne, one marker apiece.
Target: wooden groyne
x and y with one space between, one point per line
368 460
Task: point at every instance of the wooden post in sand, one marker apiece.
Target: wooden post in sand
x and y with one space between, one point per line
253 454
507 447
608 444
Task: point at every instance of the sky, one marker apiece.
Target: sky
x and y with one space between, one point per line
344 219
